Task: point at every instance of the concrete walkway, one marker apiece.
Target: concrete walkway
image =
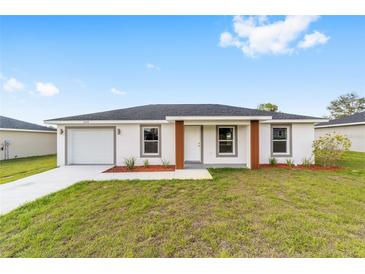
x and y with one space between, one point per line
17 193
182 174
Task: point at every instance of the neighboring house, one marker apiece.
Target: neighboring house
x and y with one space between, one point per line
185 135
352 126
21 139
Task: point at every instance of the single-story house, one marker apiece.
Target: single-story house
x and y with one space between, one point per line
184 135
352 126
22 139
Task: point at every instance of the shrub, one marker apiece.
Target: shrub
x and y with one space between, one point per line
146 163
165 163
328 149
307 162
290 162
130 162
273 161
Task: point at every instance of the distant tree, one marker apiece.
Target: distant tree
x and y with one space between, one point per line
346 105
268 107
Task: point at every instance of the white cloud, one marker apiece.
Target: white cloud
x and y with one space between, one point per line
257 35
152 66
117 91
13 84
2 77
313 39
227 40
46 89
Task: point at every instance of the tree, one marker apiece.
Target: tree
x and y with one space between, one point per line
268 107
346 105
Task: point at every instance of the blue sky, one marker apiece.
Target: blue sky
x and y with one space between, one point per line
59 66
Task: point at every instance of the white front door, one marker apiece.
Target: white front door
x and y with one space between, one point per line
192 144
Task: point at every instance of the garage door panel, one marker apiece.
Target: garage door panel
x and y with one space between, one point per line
90 146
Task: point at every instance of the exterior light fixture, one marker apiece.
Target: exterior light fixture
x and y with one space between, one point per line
61 131
118 131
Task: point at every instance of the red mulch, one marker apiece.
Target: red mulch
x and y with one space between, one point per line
151 168
312 167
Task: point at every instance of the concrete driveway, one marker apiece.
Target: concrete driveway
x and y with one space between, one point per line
19 192
16 193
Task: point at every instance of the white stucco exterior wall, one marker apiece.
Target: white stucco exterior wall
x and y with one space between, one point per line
355 133
264 144
27 143
302 137
61 146
210 146
128 144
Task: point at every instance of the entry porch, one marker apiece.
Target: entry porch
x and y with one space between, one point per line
222 143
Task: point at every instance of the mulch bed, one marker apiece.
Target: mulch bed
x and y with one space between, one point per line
151 168
312 167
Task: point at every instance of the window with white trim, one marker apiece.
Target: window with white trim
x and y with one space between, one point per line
280 140
151 141
226 140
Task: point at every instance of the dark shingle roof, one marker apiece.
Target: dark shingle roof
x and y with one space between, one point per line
6 122
355 118
159 112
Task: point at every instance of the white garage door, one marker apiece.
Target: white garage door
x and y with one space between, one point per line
90 146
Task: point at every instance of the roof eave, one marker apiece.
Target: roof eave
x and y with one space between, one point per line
29 130
340 125
216 118
298 121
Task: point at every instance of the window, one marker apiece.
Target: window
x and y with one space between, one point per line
280 140
151 141
226 141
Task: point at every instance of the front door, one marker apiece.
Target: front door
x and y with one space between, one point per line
192 144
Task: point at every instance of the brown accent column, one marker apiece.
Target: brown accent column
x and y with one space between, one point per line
255 146
179 144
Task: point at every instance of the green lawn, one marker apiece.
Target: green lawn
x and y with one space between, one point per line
241 213
11 170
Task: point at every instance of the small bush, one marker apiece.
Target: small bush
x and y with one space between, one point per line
130 162
146 163
290 162
165 163
307 162
328 149
273 161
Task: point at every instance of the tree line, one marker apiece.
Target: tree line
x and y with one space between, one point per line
345 105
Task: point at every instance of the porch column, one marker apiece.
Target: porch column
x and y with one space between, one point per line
255 144
179 144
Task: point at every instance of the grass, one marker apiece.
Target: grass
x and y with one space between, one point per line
241 213
15 169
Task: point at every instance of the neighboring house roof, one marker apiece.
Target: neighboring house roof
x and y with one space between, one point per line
357 118
161 111
14 124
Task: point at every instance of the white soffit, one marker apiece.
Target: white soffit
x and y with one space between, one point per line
216 118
